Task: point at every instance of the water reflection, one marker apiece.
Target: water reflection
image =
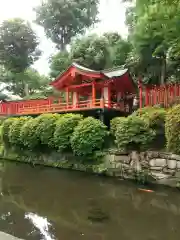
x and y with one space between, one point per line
43 203
42 224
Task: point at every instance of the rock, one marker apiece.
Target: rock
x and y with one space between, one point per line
122 158
171 163
109 158
142 156
169 171
175 157
178 165
177 175
134 156
157 162
156 168
151 154
165 155
158 176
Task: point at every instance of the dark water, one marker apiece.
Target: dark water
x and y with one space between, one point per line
43 203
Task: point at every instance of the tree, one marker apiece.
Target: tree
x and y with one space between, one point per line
91 51
14 82
62 20
101 52
154 32
59 63
18 47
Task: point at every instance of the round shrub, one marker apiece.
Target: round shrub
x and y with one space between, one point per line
46 127
114 124
133 133
64 129
5 130
88 137
172 129
28 134
14 131
153 116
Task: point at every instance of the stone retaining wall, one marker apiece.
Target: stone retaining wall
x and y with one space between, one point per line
159 167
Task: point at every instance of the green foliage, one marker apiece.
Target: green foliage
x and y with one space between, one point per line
63 20
172 129
46 127
64 130
15 130
59 63
5 130
88 136
153 116
28 134
133 133
18 45
115 123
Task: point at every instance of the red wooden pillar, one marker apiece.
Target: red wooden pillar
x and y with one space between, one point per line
67 97
93 93
146 96
109 95
140 94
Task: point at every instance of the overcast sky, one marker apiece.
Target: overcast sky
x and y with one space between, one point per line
111 14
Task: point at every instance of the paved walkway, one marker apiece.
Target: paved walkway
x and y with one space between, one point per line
5 236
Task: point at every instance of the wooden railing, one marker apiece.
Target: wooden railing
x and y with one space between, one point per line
163 95
48 106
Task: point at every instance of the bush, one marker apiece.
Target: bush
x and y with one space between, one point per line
46 127
64 129
115 123
153 116
88 137
133 133
28 134
172 129
5 130
14 131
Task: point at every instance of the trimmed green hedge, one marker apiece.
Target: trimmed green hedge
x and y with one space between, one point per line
46 127
5 130
115 122
64 130
134 133
88 136
153 116
15 130
172 129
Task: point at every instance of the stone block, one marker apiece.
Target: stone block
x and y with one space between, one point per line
175 157
178 164
122 158
142 156
152 154
169 171
165 155
157 162
159 176
156 169
171 164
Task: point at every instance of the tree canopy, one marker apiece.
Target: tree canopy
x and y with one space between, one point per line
18 45
62 20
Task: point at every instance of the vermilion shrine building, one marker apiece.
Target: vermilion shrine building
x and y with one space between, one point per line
92 93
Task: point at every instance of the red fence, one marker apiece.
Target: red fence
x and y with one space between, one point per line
56 105
155 95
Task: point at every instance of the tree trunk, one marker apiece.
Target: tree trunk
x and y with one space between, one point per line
26 89
163 70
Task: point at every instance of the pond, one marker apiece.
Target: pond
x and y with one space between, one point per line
45 203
